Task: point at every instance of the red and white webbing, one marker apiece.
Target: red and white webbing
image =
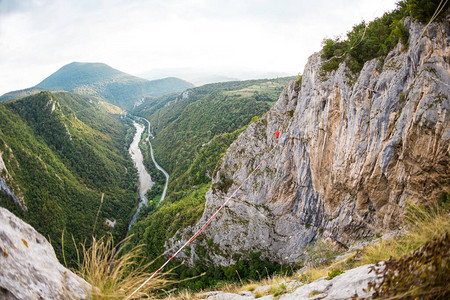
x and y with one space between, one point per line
204 227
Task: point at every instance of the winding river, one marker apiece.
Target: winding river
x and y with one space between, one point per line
145 180
156 164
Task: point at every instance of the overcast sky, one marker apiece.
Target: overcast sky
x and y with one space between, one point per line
37 37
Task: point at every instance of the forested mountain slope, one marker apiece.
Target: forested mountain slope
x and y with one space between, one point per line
59 153
100 80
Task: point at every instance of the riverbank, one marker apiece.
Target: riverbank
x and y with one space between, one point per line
145 180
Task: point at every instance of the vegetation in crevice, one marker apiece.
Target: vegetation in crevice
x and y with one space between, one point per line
299 79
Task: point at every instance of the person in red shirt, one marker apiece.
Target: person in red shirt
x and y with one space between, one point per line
277 135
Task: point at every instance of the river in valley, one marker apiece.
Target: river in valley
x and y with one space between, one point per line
145 180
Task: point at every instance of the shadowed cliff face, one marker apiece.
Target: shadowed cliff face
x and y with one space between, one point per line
350 159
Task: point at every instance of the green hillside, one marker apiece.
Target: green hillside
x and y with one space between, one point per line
182 124
100 80
20 93
61 151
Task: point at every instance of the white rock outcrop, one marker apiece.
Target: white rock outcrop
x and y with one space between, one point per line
349 159
29 268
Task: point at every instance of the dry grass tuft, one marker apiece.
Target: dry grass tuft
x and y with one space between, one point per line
114 275
314 293
259 294
183 295
252 285
424 226
249 287
278 289
312 274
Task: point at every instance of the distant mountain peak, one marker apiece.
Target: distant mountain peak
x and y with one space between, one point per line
69 77
100 80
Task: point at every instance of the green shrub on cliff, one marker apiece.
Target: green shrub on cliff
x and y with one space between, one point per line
423 10
365 42
375 39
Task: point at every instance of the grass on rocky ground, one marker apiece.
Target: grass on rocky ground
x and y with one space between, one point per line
424 225
116 275
277 283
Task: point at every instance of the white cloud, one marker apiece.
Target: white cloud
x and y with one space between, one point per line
39 36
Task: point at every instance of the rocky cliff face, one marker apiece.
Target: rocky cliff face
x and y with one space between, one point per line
353 152
29 268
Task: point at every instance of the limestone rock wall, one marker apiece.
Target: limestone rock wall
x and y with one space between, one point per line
349 159
29 268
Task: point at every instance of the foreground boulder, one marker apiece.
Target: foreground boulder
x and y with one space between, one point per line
29 268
